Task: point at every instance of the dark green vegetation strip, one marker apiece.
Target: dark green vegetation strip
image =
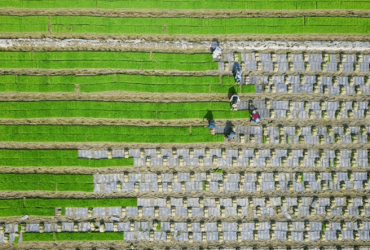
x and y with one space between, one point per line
46 182
46 207
190 4
96 109
173 26
121 82
88 236
43 133
112 60
55 158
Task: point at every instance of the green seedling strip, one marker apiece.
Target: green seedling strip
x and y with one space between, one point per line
174 26
96 109
121 82
112 60
190 4
46 182
77 236
55 158
46 207
46 133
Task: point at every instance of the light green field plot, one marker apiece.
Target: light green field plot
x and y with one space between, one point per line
140 83
46 182
91 109
191 4
114 60
174 26
46 207
55 158
44 133
89 236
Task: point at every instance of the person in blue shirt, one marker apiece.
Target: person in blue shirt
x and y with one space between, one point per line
229 132
212 126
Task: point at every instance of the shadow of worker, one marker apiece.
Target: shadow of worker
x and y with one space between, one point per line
231 92
208 115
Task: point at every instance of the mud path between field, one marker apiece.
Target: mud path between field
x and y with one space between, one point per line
89 72
156 13
270 122
188 37
240 219
121 96
208 194
229 145
172 244
172 169
184 46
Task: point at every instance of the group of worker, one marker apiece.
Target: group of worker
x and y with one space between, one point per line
234 99
229 130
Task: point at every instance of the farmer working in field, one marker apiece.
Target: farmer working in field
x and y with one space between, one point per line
255 116
234 100
212 126
229 131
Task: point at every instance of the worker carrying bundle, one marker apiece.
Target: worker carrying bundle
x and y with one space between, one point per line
237 72
216 49
234 101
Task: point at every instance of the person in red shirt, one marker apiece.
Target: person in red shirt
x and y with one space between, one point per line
255 117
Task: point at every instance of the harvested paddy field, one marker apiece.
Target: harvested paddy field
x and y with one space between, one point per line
104 108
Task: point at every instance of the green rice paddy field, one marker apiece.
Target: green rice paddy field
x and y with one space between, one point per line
46 182
193 4
55 158
186 26
120 82
121 110
25 70
46 207
76 133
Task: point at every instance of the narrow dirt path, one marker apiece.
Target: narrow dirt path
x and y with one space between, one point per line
184 122
106 145
121 96
152 13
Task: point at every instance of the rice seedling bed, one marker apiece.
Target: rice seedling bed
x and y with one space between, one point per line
120 82
46 207
55 158
190 4
112 60
46 182
123 110
47 133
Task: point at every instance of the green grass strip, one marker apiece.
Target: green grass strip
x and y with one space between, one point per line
55 158
46 207
46 182
127 110
64 236
120 82
168 26
114 60
191 4
46 133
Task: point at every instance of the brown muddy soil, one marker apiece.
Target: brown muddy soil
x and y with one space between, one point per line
166 169
172 244
209 194
183 122
183 13
230 145
192 38
121 96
